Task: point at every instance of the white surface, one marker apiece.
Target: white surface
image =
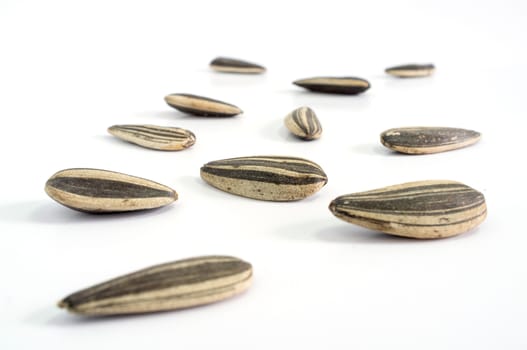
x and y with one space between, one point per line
68 70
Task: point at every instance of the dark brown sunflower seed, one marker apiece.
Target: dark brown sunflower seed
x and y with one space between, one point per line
155 137
335 85
423 209
202 106
424 140
103 191
303 122
269 178
177 285
411 70
233 65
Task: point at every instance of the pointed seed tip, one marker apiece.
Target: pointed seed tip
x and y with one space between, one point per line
63 304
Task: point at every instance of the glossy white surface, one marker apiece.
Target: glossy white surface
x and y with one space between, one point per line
69 70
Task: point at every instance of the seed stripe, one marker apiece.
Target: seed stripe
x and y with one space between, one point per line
157 136
337 85
154 137
100 188
232 65
384 222
343 208
424 209
268 165
94 190
419 202
172 133
162 287
189 299
411 70
418 140
304 123
265 177
202 106
413 190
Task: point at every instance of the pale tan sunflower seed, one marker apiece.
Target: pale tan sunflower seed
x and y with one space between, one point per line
201 106
155 137
103 191
334 85
176 285
411 70
303 122
271 178
425 140
233 65
423 209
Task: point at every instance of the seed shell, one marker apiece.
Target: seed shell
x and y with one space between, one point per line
411 70
270 178
426 140
103 191
176 285
303 122
163 138
423 209
201 106
335 85
233 65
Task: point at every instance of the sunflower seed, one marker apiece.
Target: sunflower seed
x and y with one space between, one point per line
103 191
269 178
201 106
411 70
176 285
335 85
303 122
155 137
424 140
423 209
233 65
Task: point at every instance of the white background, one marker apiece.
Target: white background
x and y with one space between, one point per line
69 70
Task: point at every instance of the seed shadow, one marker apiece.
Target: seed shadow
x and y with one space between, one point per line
277 131
342 234
175 115
229 80
410 83
370 149
115 141
62 318
358 235
331 101
48 212
128 145
66 319
170 114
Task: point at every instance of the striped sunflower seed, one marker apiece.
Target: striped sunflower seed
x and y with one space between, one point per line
303 122
425 140
233 65
176 285
155 137
103 191
201 106
270 178
411 70
335 85
423 209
